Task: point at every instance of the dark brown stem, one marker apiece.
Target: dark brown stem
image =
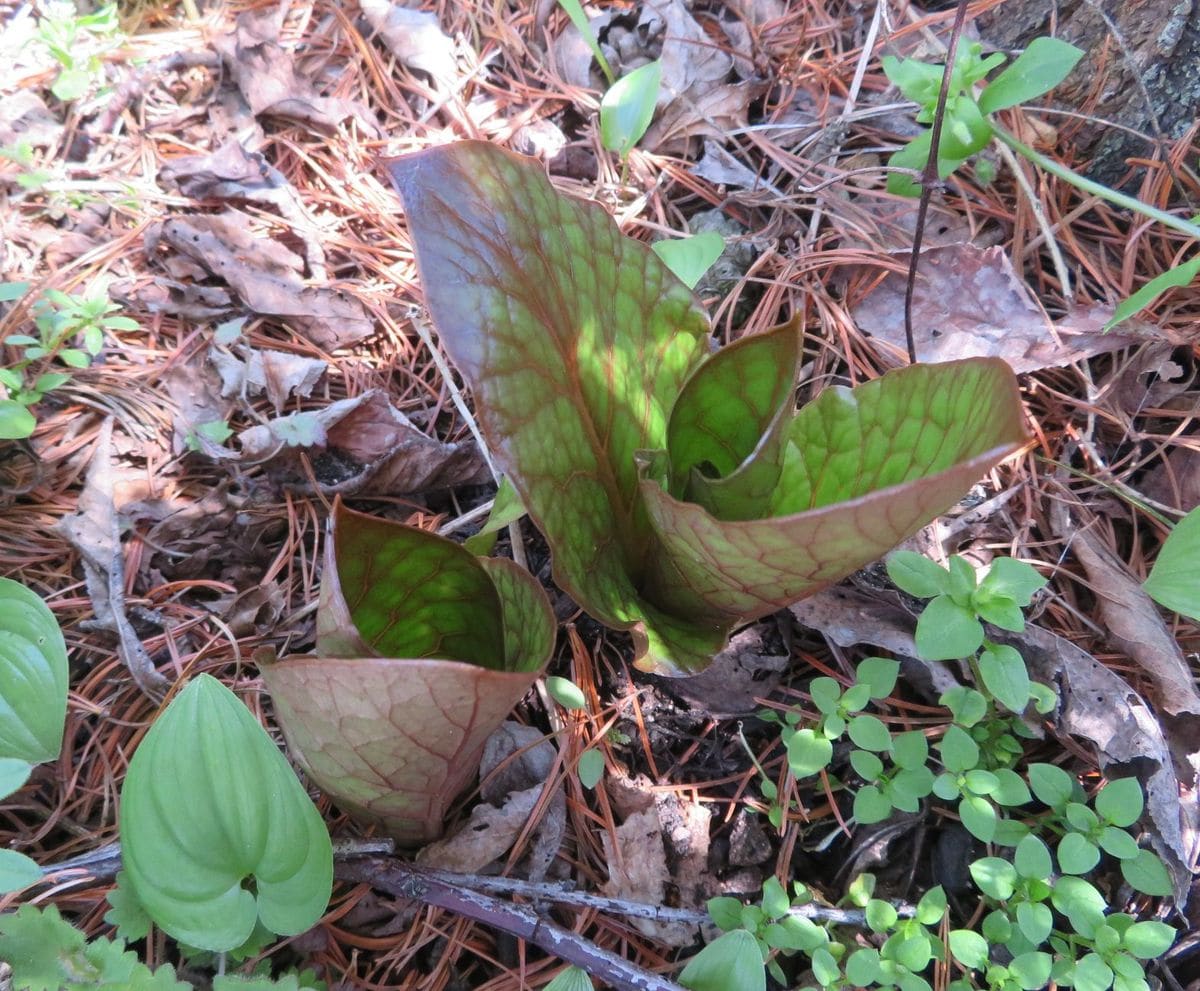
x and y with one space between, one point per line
406 881
930 177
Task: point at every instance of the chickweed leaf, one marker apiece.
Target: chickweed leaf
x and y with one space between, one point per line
1148 940
879 675
978 815
1147 874
965 704
870 733
808 753
566 693
871 805
1035 921
969 948
1092 974
1044 64
959 752
725 912
1174 580
1012 579
1051 784
16 422
1118 843
1005 676
862 967
591 768
1031 970
917 575
995 877
1077 854
910 750
732 960
932 906
17 871
1120 802
690 257
628 107
947 631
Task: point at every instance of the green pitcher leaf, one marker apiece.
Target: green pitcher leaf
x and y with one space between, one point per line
1173 580
870 467
678 497
33 676
575 341
405 592
729 426
395 737
216 831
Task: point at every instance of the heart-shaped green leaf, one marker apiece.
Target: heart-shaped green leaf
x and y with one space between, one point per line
216 831
583 351
33 676
393 728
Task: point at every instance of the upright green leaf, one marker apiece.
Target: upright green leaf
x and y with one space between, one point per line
627 109
1044 64
1177 277
210 806
690 257
1174 580
575 341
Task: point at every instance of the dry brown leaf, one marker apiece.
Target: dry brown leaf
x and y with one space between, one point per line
746 670
718 166
94 531
266 276
968 302
161 295
486 837
1176 480
637 871
277 373
1160 375
1133 621
415 38
233 173
376 448
267 79
196 390
516 767
696 96
24 117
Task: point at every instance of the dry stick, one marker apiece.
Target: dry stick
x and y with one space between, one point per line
403 881
929 176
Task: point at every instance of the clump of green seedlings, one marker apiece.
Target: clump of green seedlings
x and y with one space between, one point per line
969 125
69 331
1043 920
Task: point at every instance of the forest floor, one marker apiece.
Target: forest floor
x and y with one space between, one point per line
219 178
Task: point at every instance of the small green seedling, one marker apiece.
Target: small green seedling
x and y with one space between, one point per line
690 257
627 108
78 42
71 330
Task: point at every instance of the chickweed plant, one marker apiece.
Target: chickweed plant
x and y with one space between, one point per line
1043 917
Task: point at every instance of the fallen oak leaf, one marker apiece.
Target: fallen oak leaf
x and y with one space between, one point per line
267 277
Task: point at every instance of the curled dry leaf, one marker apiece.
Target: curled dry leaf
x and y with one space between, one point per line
265 75
516 768
697 96
277 373
422 650
94 530
233 173
968 302
372 445
266 276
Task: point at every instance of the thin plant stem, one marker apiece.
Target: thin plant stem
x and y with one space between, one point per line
1095 188
929 176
